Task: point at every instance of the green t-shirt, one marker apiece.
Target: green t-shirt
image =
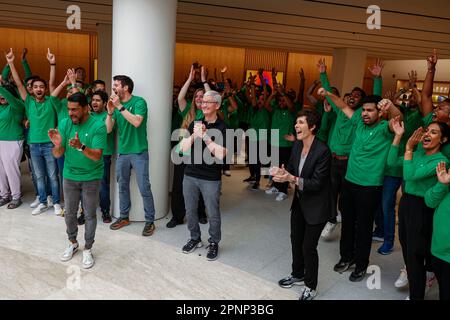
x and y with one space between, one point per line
77 166
42 117
367 161
231 119
439 197
426 122
198 112
11 117
132 140
327 124
110 141
260 120
62 111
282 120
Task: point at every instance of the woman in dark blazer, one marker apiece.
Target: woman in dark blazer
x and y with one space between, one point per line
309 169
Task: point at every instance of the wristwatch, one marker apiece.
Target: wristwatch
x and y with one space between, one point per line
122 109
82 148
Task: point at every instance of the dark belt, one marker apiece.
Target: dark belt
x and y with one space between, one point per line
335 156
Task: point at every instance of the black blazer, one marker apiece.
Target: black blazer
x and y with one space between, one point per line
315 200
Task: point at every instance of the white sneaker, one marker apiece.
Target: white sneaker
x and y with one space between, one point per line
58 210
281 196
272 190
339 218
40 209
69 252
328 230
407 298
35 203
402 280
88 259
308 294
49 201
227 173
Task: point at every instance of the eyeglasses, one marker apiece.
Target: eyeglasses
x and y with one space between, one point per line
208 102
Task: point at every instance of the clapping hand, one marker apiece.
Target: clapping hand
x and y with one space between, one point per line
55 137
442 174
281 175
398 126
75 142
414 140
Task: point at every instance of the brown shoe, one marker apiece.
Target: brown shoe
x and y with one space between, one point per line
149 229
120 223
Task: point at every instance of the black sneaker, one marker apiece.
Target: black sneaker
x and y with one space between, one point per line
192 245
255 186
357 275
203 220
213 251
172 223
250 179
4 201
343 266
106 217
81 220
290 280
149 229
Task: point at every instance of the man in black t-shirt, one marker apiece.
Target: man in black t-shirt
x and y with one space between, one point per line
203 173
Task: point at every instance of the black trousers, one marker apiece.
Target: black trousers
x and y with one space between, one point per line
338 172
255 168
415 228
304 241
285 155
442 272
359 205
177 198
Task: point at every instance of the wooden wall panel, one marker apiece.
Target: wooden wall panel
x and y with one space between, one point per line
71 50
309 64
211 57
267 60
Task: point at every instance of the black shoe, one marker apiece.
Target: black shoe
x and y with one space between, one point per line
290 280
357 276
255 186
81 220
343 266
4 201
149 229
172 223
203 220
213 251
192 245
106 217
250 179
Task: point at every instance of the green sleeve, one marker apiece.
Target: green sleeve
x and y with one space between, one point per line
15 103
393 159
412 172
26 68
326 86
435 195
99 141
141 108
5 72
325 126
186 110
378 86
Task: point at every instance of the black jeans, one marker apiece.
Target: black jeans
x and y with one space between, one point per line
177 198
304 240
442 271
359 205
105 199
338 172
285 155
415 228
255 168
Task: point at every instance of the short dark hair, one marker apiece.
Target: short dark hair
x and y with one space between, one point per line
98 82
125 81
371 99
337 91
31 78
102 95
363 93
80 98
39 80
312 119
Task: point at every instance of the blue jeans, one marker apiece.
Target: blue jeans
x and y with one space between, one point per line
390 188
105 201
139 162
60 162
44 165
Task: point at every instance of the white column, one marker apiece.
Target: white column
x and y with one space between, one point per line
144 49
348 69
105 54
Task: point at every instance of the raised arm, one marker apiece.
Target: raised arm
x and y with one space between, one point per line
52 60
338 102
282 92
204 80
10 59
182 103
426 106
376 71
109 122
310 94
301 90
436 194
70 78
25 64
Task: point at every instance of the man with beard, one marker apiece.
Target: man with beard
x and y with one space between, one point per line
362 188
98 104
82 140
130 114
40 111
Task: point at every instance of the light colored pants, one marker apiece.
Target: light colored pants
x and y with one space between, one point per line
10 156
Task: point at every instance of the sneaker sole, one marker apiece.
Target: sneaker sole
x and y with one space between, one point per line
117 228
199 245
212 259
73 253
300 283
352 266
88 266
